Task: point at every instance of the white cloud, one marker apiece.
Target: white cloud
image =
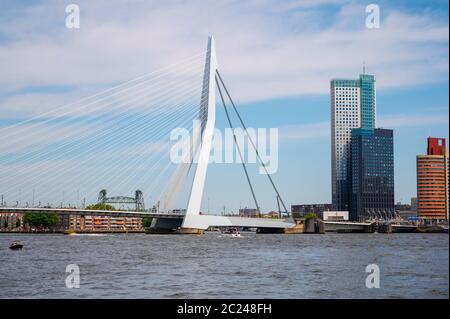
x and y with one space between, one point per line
411 120
265 50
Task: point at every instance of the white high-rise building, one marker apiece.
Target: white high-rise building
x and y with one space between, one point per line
352 106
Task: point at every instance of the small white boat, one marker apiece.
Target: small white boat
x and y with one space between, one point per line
235 233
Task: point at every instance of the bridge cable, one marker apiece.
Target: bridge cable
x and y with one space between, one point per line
103 92
72 142
237 146
251 141
166 122
125 137
108 116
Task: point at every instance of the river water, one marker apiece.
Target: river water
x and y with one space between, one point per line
213 266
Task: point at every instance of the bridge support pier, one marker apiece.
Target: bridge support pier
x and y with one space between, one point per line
267 230
171 226
299 228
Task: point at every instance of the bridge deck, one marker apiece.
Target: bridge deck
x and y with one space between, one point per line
206 221
76 211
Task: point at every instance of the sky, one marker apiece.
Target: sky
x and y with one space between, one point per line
276 57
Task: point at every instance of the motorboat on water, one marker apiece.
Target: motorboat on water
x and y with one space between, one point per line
16 244
233 232
237 234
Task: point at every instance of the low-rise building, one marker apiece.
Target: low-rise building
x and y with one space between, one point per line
407 214
335 216
248 212
272 214
414 203
10 221
401 206
105 223
406 211
299 211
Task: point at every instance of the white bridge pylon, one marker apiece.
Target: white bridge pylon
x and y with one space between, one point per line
208 119
201 147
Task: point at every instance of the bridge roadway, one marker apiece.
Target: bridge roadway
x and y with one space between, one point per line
341 226
76 211
365 227
207 220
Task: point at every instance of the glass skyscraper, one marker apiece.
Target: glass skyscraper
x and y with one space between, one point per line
362 155
353 105
368 105
371 174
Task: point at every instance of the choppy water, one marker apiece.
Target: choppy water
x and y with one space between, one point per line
210 266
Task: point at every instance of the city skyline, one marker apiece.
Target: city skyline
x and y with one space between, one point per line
236 158
412 94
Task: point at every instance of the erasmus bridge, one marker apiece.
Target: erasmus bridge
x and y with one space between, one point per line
119 138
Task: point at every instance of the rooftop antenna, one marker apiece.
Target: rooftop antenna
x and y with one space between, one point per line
364 67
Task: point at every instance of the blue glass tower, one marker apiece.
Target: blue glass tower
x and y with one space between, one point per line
353 105
371 174
367 85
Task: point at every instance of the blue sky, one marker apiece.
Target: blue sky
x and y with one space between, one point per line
277 59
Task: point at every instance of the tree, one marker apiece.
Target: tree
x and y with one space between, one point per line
40 220
100 206
17 223
311 215
146 221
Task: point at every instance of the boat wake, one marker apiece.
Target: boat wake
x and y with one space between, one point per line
91 235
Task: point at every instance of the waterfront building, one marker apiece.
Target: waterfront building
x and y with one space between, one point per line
11 221
248 212
414 204
400 206
63 222
436 146
406 211
105 223
407 214
271 214
335 216
353 105
432 181
299 211
372 174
